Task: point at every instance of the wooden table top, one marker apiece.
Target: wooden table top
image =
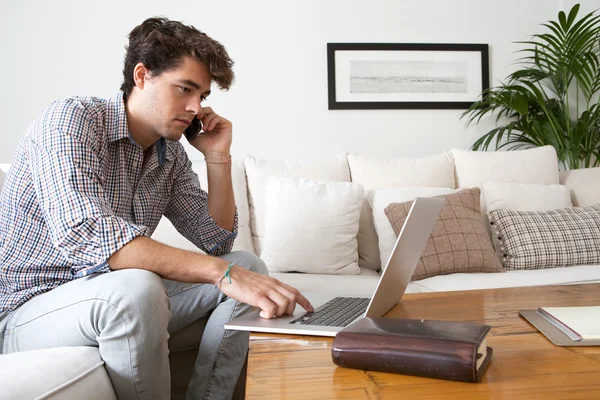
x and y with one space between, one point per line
524 365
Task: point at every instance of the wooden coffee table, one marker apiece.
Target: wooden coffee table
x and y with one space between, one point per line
525 365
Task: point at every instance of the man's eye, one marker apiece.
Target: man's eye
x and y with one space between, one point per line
184 89
202 98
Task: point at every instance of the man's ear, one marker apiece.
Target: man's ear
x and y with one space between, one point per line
140 75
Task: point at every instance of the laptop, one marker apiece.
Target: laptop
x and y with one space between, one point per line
334 313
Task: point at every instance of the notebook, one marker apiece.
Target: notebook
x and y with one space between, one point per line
578 323
348 310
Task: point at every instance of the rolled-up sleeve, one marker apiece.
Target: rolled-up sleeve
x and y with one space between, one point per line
188 212
83 227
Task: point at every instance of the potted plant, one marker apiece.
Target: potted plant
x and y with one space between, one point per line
553 98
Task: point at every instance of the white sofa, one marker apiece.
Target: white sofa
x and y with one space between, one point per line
453 169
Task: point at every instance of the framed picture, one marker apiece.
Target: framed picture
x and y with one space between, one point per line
379 76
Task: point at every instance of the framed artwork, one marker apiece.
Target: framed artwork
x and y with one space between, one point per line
378 76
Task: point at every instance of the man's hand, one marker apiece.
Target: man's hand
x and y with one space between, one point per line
216 136
273 297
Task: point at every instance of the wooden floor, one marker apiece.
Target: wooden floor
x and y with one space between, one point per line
525 365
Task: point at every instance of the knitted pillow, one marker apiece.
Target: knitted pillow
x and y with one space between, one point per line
459 241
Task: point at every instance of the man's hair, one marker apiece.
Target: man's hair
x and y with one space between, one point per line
161 45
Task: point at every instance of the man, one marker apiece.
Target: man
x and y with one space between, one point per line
89 183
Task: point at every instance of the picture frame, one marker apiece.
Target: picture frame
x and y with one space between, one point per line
380 76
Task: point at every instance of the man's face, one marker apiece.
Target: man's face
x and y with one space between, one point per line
172 99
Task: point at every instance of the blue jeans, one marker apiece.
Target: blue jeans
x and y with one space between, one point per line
128 315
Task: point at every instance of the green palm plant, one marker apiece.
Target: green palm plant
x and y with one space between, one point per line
553 98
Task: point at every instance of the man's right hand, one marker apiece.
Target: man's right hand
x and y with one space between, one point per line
273 297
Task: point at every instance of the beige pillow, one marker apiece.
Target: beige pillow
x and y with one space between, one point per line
459 241
258 171
311 226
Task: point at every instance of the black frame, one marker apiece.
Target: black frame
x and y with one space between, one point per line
376 105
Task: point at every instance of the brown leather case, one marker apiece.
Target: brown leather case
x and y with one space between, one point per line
433 349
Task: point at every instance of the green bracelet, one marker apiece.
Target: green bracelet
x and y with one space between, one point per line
227 272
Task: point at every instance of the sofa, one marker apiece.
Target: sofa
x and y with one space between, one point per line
283 218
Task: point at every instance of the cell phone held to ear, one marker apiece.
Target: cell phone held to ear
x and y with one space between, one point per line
192 131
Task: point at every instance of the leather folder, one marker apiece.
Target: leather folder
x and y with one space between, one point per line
429 348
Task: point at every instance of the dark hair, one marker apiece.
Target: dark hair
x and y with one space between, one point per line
161 44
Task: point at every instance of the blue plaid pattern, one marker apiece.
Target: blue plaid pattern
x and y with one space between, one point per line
80 188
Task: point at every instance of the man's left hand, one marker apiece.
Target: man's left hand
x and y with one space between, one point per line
216 135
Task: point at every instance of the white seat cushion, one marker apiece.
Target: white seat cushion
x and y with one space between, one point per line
539 277
362 285
57 373
356 285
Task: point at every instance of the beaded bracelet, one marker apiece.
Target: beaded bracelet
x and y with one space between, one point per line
224 162
226 274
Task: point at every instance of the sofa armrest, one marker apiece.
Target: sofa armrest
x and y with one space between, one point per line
583 185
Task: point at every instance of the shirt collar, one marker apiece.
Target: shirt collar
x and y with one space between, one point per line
117 119
117 123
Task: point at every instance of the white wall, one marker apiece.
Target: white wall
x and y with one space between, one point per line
53 49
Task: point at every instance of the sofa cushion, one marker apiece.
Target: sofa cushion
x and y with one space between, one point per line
537 165
579 182
555 276
376 173
166 233
548 239
523 197
311 226
459 241
473 168
258 171
381 198
362 285
56 373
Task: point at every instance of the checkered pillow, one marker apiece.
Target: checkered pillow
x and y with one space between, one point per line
548 239
458 243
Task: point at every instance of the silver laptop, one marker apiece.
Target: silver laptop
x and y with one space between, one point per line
333 313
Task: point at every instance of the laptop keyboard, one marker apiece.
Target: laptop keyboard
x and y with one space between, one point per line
339 311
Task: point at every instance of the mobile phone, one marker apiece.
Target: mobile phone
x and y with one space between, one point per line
192 131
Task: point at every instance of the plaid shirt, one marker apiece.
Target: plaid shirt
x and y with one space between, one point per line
80 188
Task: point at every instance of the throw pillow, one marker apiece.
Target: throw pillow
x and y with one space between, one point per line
381 198
379 173
258 172
523 197
535 165
459 241
311 226
548 239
